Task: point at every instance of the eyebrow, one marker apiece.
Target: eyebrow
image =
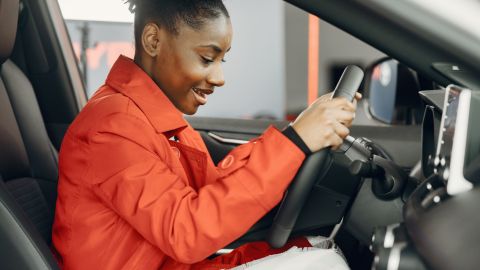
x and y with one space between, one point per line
215 48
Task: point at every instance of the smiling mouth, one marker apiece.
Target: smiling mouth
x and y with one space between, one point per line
201 94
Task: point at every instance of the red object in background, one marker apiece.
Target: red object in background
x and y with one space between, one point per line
111 50
376 73
291 117
313 57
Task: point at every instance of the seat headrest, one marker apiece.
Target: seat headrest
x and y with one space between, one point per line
8 29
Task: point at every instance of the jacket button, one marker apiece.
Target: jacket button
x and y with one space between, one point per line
176 151
227 162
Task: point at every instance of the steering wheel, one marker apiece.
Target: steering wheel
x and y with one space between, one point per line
297 194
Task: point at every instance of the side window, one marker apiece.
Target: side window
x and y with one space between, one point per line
100 31
266 73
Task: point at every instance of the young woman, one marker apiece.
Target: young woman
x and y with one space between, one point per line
137 188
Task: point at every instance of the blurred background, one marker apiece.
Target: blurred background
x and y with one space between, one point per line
281 56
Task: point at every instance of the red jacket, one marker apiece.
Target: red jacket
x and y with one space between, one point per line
130 198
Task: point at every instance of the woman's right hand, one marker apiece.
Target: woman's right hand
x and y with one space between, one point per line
326 121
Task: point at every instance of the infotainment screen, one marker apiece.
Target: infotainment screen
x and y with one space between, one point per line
472 151
452 143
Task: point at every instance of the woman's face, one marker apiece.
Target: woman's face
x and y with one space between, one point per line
188 66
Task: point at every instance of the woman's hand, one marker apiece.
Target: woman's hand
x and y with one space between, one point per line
325 123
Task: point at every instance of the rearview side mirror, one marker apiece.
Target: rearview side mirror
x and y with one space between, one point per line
382 90
392 92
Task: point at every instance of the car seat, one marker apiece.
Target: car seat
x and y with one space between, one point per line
28 163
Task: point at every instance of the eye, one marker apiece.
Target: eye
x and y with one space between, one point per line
206 60
224 60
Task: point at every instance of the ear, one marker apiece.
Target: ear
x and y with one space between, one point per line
151 36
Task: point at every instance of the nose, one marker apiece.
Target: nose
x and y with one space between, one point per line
216 77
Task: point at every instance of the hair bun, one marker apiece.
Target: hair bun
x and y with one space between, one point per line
132 4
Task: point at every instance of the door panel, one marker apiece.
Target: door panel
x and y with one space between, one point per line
401 142
215 130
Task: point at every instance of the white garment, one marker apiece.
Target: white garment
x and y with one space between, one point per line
312 258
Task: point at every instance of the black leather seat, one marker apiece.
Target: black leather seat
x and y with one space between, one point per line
28 163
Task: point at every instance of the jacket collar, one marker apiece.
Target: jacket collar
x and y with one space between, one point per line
129 79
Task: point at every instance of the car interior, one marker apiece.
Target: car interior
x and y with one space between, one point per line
384 193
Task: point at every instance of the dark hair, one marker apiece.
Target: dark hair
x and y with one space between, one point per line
167 13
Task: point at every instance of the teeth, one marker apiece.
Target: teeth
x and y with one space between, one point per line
197 91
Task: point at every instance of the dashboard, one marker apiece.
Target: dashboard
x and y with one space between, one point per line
452 151
440 216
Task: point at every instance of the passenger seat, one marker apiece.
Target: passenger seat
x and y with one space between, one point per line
28 163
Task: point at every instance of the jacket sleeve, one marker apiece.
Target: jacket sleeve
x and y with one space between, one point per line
127 172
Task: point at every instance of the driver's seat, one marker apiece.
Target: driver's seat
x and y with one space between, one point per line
28 163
